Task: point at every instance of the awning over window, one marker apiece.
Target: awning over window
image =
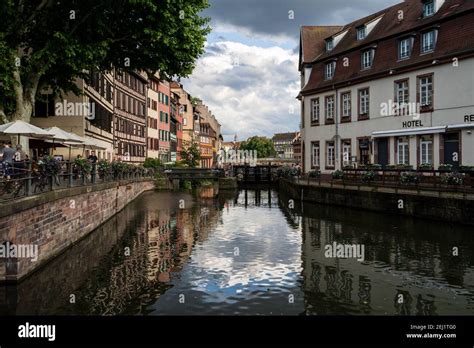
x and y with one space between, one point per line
461 126
409 131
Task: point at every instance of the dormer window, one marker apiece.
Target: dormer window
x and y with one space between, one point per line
428 8
330 69
329 45
404 48
367 58
361 33
428 41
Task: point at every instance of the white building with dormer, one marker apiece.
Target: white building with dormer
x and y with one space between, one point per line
393 88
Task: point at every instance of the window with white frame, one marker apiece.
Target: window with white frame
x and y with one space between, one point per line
426 148
346 104
402 97
329 45
426 90
367 58
403 151
404 48
364 101
330 154
428 8
315 154
330 69
361 33
315 109
329 107
428 41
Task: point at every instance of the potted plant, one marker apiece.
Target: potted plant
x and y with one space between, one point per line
425 166
404 167
103 168
454 179
410 178
51 167
368 176
83 165
374 166
466 168
118 169
314 173
445 167
338 174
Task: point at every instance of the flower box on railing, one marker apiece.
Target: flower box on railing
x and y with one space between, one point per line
452 179
314 174
397 167
410 178
469 169
425 167
445 167
338 175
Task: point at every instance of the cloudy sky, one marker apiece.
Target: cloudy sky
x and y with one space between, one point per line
249 74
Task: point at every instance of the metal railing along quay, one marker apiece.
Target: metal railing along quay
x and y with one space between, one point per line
28 178
437 180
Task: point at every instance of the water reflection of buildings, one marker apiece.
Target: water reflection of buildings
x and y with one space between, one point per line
119 269
398 265
159 248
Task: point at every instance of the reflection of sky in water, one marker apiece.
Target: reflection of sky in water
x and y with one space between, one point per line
280 257
251 257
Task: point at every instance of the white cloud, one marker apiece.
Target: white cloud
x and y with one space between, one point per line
250 89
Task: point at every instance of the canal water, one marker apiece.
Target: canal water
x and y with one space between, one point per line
252 252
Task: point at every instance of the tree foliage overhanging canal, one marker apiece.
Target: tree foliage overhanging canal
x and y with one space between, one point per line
48 44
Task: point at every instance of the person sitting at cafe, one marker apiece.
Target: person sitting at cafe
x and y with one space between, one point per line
92 158
7 154
19 160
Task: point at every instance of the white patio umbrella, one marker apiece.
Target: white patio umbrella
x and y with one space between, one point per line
90 144
65 138
86 143
22 128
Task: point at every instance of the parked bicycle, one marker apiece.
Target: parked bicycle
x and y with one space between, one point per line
11 179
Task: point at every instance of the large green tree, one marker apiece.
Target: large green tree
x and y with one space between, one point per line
191 155
264 146
48 44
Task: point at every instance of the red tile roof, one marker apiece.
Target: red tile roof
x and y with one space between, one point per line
455 36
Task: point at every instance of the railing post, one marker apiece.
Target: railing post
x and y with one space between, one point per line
70 174
51 182
28 179
93 173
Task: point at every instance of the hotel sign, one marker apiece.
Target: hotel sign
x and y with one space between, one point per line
468 118
412 124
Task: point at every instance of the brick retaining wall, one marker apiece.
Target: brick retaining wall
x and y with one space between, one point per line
56 220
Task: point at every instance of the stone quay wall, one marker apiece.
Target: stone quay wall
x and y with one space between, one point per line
53 221
456 207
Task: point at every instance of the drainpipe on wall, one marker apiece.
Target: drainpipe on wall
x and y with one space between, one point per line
336 122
